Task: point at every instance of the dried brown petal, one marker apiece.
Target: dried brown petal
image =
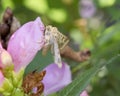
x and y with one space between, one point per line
33 80
15 25
9 25
7 17
4 30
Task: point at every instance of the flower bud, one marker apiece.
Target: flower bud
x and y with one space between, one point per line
5 58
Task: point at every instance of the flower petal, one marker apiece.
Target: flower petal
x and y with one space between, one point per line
84 93
5 58
1 78
1 48
56 78
87 8
26 42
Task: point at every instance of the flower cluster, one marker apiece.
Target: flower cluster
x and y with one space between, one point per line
21 50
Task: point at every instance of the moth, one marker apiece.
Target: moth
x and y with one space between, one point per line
33 80
56 41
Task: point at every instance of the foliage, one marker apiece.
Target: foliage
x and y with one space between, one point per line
104 41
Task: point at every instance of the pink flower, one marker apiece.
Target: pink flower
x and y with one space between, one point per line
56 78
26 42
87 8
22 48
84 93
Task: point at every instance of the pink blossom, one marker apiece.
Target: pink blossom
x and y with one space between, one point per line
84 93
56 78
22 47
87 8
26 42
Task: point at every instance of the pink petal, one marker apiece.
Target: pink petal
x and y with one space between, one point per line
1 65
87 8
5 58
56 78
26 42
1 78
84 93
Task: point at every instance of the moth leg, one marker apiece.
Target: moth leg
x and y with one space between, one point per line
45 49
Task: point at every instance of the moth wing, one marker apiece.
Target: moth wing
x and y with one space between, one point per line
57 57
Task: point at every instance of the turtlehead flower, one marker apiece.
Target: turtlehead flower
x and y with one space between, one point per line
26 42
56 78
22 48
86 8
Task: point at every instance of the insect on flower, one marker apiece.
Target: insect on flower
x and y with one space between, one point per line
33 80
56 41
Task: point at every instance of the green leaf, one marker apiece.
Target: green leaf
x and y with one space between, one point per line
80 83
40 62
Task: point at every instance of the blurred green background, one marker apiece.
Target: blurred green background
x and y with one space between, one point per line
92 24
